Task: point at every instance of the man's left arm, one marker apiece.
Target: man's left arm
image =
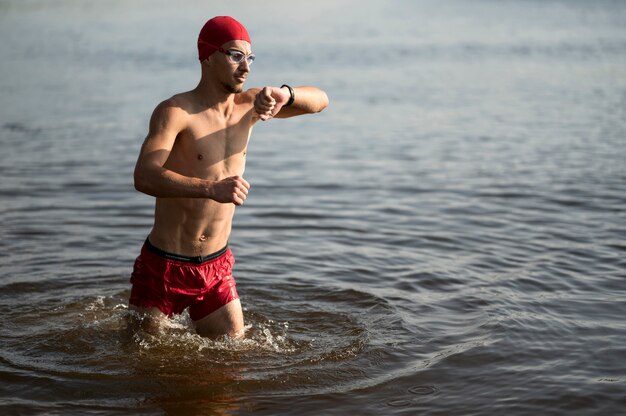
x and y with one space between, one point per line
287 102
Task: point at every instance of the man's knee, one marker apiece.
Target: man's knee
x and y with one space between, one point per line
227 320
149 320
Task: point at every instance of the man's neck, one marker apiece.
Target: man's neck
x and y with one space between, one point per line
215 96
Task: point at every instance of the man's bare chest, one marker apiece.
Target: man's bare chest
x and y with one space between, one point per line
220 143
212 148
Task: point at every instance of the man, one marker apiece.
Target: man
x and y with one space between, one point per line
192 161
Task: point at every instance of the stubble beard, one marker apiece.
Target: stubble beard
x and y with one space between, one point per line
233 89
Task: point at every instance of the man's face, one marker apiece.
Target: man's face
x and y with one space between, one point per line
232 75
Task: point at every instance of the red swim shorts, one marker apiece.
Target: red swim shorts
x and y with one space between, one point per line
172 283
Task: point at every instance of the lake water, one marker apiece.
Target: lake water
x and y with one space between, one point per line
447 237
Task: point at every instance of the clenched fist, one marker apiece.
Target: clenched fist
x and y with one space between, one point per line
233 189
269 101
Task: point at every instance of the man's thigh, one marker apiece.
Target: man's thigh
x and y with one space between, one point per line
148 319
227 320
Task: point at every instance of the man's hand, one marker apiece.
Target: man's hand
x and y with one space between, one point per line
233 189
269 101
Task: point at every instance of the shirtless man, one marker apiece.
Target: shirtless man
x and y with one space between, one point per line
193 161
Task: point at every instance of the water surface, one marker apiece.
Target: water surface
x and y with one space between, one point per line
448 237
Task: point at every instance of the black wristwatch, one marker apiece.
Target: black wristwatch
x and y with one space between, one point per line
292 95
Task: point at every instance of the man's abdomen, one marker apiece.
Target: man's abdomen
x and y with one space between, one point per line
191 227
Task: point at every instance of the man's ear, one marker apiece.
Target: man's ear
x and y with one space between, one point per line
208 61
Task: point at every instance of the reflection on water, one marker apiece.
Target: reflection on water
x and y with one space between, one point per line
312 351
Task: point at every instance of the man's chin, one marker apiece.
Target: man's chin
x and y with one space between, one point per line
234 89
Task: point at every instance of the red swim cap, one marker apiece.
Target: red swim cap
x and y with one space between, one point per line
218 31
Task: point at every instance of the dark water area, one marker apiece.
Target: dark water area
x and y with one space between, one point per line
447 238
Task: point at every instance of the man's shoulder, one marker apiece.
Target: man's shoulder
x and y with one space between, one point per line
175 106
183 101
172 112
247 96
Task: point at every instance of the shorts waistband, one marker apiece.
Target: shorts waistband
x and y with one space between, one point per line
187 259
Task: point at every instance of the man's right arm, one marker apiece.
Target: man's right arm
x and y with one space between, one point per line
152 178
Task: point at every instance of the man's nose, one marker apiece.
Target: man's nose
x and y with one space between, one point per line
245 65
